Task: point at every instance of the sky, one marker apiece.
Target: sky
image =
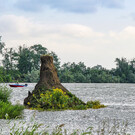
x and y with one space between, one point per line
95 32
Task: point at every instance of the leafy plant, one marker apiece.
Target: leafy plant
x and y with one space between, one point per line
5 93
56 99
95 104
7 110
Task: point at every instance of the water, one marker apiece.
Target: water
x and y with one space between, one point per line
119 98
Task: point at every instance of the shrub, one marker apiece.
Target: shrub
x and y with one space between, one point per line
7 110
5 93
1 79
80 107
95 104
57 99
10 111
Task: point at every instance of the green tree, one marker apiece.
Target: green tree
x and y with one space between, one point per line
2 46
24 60
36 51
56 60
32 77
66 76
122 69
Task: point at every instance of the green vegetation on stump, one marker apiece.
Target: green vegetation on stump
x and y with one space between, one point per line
56 99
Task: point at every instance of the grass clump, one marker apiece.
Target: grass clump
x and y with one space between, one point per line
95 104
56 99
5 93
7 110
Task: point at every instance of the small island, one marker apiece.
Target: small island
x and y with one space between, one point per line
50 94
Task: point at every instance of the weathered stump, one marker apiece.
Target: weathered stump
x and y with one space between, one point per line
48 78
49 81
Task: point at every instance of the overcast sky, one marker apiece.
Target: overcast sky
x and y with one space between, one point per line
91 31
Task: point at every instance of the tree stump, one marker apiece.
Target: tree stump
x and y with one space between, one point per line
48 78
50 83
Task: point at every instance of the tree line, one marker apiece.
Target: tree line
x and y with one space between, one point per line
22 64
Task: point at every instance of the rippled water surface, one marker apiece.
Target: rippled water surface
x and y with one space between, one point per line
119 98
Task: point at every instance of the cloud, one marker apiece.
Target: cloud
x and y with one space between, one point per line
128 33
14 25
62 39
22 26
72 42
112 3
77 6
80 31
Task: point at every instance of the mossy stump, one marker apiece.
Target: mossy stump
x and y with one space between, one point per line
48 81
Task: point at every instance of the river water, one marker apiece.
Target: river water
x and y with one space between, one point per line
119 98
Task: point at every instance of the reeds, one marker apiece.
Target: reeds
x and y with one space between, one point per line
104 127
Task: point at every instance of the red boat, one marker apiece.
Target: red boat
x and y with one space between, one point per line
18 85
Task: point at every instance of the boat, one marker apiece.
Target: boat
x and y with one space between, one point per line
18 85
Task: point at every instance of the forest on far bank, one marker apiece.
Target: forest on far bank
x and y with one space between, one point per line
22 64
